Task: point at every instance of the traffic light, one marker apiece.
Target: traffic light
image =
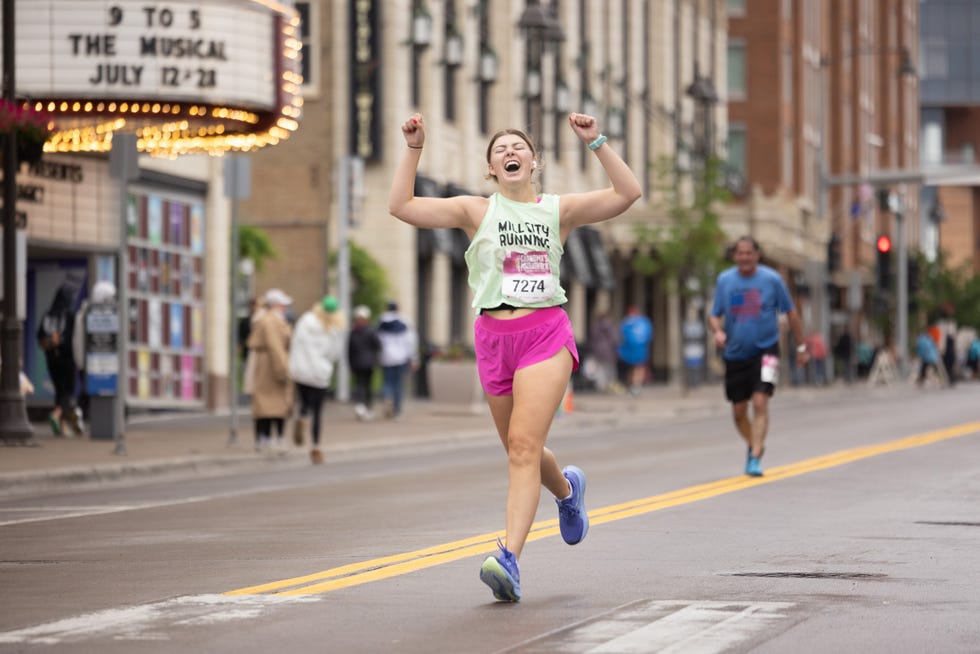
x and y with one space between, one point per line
833 253
884 263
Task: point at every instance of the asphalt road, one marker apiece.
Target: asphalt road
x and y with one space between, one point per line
861 537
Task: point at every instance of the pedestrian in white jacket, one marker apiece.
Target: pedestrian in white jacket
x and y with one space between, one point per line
399 353
318 342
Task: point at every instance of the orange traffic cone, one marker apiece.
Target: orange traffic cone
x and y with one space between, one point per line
568 402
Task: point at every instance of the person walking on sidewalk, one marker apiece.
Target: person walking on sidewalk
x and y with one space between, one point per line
525 347
55 335
603 342
636 333
750 297
928 353
399 353
315 348
363 351
272 391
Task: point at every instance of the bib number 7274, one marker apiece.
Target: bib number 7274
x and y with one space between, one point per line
525 286
527 277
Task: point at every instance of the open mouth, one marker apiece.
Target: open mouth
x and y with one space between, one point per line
512 166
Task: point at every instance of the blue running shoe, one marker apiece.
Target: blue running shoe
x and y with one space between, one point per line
753 467
502 575
572 518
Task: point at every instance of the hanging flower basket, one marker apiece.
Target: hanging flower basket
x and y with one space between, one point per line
29 152
32 128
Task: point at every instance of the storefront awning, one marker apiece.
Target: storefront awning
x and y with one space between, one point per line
581 267
601 265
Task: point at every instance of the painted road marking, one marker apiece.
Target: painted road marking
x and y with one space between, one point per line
397 564
45 513
149 622
692 627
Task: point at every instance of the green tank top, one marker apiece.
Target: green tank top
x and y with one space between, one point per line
515 255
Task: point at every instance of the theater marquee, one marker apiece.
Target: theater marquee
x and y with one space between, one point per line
188 76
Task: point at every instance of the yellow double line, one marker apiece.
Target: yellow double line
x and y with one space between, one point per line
398 564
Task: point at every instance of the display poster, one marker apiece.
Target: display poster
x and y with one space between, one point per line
197 228
166 291
143 374
154 218
187 377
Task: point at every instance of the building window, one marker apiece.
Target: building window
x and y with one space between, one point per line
736 148
452 59
420 37
736 69
787 75
584 68
309 33
789 172
487 67
736 8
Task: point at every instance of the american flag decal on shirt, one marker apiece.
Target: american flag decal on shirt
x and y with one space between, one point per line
746 304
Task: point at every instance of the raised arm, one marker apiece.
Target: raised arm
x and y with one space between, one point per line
596 206
422 212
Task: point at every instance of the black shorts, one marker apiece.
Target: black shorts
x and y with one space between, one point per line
743 378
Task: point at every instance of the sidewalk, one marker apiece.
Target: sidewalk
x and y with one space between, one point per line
175 445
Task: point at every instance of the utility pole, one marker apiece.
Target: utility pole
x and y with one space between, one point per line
238 186
344 182
902 289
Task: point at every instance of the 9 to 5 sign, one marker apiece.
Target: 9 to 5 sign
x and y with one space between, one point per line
221 53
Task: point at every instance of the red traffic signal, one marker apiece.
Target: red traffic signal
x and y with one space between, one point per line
884 244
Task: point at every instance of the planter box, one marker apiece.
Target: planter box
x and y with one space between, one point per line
455 383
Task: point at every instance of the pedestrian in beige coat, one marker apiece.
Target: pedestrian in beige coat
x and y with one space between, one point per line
272 389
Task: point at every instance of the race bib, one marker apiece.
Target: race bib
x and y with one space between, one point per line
527 277
770 369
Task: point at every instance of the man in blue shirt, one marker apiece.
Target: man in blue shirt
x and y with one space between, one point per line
745 320
635 334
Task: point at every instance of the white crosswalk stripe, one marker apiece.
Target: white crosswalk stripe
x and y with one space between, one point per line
666 626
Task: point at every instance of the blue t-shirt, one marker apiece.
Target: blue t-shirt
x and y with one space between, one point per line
636 332
751 306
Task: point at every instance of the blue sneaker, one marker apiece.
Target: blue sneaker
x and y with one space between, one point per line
502 575
572 518
753 467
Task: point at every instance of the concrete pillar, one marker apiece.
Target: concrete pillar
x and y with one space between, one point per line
217 235
442 305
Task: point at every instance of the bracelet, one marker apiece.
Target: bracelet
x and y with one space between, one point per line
596 144
801 349
415 147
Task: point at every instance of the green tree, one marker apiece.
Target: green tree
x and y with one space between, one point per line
687 251
690 247
369 282
254 243
942 288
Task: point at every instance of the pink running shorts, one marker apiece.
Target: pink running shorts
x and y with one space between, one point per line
504 346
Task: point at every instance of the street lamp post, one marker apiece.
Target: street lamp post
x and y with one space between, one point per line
540 28
14 425
702 91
